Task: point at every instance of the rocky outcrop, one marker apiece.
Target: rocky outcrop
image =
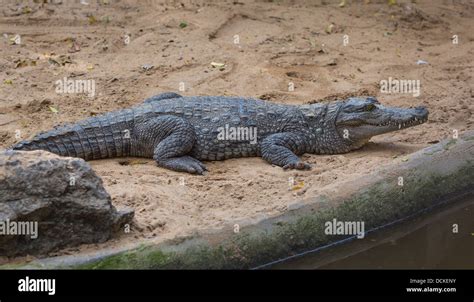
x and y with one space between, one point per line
49 202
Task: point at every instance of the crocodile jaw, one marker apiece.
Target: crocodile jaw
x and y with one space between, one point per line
359 127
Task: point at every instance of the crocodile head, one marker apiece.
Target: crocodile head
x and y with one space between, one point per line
359 119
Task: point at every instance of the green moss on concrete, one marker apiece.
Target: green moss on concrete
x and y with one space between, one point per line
19 265
378 205
144 257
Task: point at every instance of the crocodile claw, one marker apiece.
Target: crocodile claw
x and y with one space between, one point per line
184 164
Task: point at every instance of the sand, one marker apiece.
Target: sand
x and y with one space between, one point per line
281 44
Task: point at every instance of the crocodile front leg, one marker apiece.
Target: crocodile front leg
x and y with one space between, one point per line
172 138
280 148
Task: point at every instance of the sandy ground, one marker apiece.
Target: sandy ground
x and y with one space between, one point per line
279 42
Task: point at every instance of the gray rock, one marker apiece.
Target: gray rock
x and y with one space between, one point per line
61 197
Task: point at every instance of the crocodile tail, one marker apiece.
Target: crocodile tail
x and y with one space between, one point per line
94 138
58 141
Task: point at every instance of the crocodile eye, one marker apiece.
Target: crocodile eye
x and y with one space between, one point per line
370 107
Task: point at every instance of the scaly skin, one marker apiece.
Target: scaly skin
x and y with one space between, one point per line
178 132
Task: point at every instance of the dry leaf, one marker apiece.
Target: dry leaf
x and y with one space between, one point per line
92 20
60 61
218 65
26 10
298 186
75 47
330 28
14 40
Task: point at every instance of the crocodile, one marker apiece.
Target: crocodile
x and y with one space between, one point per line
179 132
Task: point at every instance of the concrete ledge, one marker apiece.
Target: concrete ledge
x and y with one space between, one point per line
429 176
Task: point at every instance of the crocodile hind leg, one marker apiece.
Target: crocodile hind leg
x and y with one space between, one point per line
171 138
280 148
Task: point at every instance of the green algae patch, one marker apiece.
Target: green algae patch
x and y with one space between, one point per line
450 143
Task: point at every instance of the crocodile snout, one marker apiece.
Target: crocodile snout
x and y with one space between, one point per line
421 112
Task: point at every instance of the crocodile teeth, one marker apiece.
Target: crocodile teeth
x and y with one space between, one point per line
399 126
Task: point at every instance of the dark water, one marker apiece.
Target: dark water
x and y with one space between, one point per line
425 242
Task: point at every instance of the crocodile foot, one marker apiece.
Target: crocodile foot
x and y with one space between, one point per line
297 166
184 164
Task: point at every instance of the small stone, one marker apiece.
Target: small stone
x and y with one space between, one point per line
147 67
